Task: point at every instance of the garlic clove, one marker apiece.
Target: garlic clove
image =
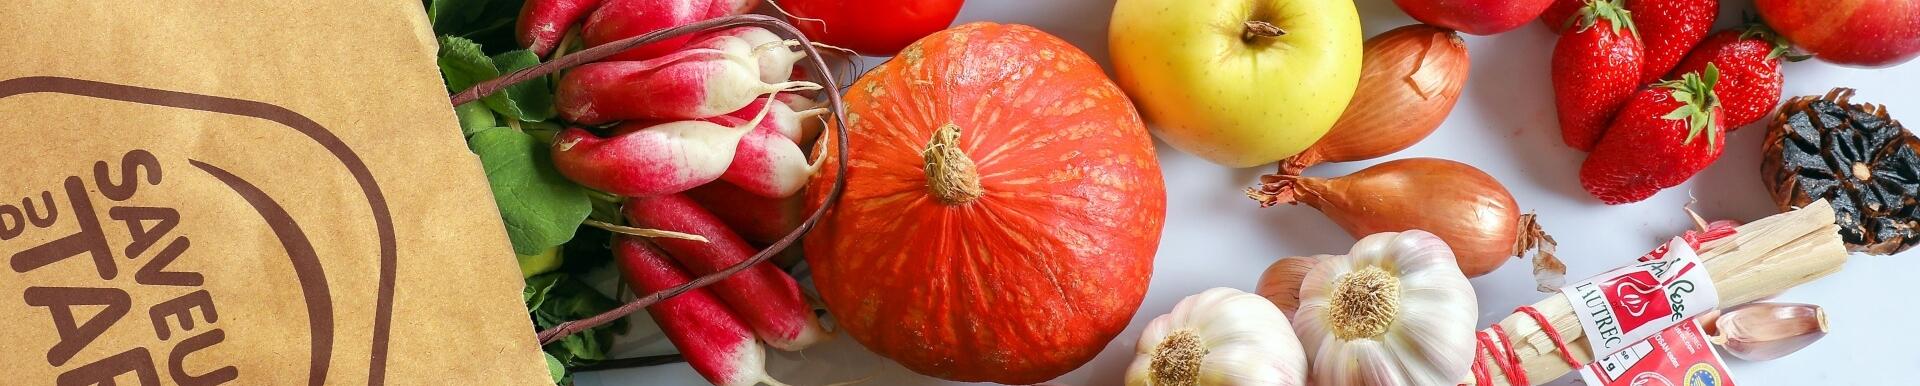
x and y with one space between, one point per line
1767 331
1280 284
1708 322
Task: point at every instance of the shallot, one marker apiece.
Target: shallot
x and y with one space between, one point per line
1410 78
1280 284
1461 204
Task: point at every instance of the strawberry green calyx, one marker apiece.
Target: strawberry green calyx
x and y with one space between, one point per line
1698 102
1610 10
1781 47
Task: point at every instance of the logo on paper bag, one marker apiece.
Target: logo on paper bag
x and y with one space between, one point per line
119 265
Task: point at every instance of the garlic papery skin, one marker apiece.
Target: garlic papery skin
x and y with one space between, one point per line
1221 336
1396 310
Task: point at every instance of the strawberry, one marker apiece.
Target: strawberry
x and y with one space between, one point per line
1655 142
1749 62
1669 29
1559 15
1596 67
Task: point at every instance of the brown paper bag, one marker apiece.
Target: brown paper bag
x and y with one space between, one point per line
248 193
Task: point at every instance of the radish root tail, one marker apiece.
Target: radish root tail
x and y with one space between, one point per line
794 86
644 232
783 12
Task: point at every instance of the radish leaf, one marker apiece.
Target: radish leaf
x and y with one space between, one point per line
555 369
540 207
474 117
528 101
463 65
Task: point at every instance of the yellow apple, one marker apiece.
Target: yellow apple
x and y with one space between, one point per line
1237 82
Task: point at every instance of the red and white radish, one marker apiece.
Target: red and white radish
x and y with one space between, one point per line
812 110
784 118
543 22
738 6
764 296
620 19
655 160
697 83
767 163
758 219
776 56
713 340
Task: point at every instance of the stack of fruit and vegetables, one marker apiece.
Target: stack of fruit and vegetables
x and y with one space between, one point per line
676 154
669 160
992 210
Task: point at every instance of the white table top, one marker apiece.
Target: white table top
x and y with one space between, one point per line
1504 125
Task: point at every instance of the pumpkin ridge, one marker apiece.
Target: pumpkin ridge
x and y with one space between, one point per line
1026 249
889 131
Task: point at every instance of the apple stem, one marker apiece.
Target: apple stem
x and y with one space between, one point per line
1260 29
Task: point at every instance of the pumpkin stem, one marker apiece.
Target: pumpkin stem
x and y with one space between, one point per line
950 174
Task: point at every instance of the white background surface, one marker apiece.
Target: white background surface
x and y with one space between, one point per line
1504 125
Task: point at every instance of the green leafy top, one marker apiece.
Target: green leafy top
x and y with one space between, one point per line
488 22
559 297
464 64
511 133
1609 10
1698 102
540 207
1781 47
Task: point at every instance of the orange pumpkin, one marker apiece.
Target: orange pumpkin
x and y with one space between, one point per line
1002 209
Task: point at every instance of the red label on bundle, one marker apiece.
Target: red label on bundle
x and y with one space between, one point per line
1631 304
1678 356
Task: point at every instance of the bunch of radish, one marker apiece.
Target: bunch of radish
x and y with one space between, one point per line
706 135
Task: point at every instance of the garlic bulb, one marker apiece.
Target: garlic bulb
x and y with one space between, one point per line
1394 311
1221 336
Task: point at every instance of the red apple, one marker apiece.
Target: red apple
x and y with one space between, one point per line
1560 15
1862 33
1478 17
